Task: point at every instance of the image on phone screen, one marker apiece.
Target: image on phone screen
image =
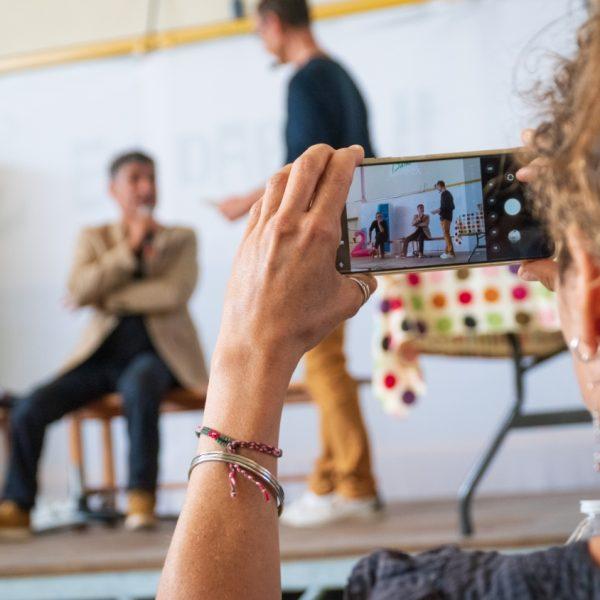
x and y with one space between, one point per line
437 213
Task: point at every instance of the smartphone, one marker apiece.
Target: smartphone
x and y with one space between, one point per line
439 212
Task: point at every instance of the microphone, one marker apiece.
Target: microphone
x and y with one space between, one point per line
146 211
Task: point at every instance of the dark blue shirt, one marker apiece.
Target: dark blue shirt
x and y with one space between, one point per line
446 206
325 106
448 573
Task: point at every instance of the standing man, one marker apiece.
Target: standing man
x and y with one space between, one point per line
136 276
324 106
446 211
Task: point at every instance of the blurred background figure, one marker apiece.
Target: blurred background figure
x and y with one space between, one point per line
323 106
137 276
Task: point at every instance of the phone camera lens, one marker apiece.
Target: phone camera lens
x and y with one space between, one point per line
514 236
510 177
493 217
492 201
495 248
494 231
512 207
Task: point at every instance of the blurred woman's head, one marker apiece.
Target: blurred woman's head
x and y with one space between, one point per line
567 193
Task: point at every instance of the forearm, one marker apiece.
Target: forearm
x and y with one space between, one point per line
166 292
150 296
226 547
92 278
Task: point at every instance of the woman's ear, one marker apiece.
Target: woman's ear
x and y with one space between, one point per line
586 279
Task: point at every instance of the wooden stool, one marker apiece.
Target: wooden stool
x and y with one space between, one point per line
104 410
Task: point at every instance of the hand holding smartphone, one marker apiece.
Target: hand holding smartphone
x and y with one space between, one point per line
436 212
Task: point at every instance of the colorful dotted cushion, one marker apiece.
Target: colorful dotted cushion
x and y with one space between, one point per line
452 304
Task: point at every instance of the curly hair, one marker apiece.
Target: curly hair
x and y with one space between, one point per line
567 143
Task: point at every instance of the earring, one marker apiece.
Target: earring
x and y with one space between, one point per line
582 355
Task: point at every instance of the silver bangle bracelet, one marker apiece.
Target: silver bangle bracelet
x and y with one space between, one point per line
249 465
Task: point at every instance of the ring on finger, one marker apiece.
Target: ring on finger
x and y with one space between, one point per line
364 288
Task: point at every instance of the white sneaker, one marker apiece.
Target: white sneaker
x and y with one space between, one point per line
311 510
446 256
361 509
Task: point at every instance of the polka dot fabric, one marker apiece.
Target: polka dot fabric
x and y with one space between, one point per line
464 302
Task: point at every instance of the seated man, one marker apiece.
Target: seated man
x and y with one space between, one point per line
137 277
421 233
380 227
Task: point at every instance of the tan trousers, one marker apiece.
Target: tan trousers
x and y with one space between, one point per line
345 462
446 229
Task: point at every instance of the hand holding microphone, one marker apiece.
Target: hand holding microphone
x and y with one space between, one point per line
141 229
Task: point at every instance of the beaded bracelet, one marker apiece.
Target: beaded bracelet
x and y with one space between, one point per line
232 446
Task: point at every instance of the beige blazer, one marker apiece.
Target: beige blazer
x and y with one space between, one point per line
102 278
422 222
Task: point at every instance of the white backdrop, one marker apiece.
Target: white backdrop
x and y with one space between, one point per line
438 77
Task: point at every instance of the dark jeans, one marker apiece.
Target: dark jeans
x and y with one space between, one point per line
380 242
417 236
142 381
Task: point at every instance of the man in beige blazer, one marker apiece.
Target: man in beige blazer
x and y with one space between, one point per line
136 276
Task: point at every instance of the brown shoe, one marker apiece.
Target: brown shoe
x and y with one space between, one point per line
15 523
140 510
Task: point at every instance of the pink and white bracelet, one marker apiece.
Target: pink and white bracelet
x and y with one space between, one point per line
247 467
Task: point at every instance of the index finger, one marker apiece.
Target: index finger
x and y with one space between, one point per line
305 174
333 187
529 172
544 270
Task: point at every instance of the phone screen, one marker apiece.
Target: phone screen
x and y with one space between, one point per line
438 213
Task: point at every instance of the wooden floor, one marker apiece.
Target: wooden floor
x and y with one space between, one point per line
507 522
429 260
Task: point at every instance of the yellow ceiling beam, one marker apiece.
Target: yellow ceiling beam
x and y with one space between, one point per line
177 37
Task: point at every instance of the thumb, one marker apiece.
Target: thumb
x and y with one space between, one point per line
353 296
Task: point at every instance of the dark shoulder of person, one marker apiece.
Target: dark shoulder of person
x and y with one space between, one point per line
343 113
560 573
448 199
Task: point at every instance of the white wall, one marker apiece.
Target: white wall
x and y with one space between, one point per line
438 78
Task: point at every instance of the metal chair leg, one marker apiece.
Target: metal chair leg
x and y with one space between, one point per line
77 466
478 470
107 513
